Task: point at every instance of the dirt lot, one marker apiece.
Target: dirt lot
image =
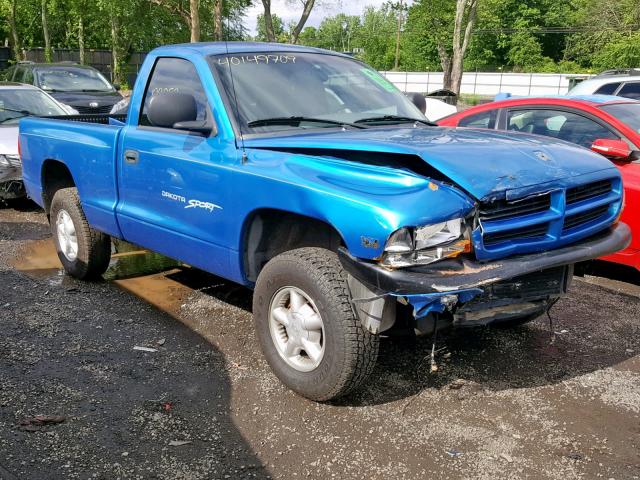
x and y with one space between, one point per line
504 404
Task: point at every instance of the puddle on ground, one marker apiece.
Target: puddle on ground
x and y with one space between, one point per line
156 279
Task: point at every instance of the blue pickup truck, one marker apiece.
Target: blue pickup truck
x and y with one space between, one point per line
308 177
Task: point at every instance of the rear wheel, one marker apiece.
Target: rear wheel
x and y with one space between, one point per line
83 251
306 327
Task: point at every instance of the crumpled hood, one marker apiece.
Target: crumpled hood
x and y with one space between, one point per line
9 140
482 162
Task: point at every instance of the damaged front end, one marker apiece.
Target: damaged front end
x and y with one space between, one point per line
11 185
463 291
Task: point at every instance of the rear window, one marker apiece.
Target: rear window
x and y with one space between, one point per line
480 120
608 89
630 90
627 113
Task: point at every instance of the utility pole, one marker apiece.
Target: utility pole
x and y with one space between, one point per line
396 64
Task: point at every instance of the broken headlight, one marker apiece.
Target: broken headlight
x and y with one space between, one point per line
427 244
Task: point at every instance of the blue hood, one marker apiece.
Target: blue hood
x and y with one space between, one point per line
485 163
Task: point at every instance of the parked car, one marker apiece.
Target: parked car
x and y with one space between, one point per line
18 101
607 125
622 83
82 87
307 176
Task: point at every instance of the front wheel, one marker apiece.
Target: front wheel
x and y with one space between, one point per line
83 251
306 327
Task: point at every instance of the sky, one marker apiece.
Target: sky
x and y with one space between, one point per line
291 11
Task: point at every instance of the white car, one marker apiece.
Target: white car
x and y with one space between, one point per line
17 101
623 83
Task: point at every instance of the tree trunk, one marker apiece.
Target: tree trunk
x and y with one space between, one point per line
17 47
115 56
306 11
445 62
45 33
465 13
81 39
194 15
396 62
217 20
268 21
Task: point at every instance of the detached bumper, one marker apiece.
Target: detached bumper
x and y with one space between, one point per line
464 274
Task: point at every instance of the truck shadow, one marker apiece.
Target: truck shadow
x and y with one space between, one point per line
595 329
587 338
67 349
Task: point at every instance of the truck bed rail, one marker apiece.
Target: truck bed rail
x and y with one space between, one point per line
90 118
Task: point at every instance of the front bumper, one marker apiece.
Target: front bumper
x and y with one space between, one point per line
11 185
450 276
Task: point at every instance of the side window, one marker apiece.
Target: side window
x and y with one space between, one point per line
17 74
567 126
174 75
480 120
630 90
28 76
608 89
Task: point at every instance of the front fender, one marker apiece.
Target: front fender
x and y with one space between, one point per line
364 203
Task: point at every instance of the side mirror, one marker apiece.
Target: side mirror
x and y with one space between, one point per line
198 126
613 149
419 101
116 86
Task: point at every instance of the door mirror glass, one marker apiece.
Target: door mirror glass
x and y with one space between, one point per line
198 126
614 149
170 108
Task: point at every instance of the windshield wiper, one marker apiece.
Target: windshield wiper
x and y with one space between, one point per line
396 119
297 120
94 90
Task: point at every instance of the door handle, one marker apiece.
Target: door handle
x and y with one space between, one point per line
131 156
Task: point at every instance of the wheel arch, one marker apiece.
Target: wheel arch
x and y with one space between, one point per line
268 232
54 176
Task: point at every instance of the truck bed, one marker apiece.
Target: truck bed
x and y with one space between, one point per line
87 145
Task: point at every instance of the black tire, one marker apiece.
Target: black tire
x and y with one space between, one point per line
350 352
94 247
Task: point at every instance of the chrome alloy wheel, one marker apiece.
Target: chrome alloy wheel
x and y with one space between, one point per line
67 238
296 329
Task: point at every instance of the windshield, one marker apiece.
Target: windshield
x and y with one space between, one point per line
628 113
309 87
69 79
21 102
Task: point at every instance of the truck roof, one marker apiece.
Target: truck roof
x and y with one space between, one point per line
219 48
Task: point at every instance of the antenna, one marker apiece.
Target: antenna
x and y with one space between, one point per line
235 98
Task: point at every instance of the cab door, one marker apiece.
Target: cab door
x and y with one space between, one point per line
175 185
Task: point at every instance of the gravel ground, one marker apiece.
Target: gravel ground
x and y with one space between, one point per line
504 404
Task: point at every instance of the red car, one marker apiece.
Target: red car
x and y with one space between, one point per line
605 124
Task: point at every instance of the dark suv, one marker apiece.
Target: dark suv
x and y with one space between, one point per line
79 86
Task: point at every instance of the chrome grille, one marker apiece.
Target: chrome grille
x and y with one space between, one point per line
578 219
100 109
503 209
546 220
531 232
590 190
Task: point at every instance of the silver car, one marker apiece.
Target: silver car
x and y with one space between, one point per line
622 83
18 101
